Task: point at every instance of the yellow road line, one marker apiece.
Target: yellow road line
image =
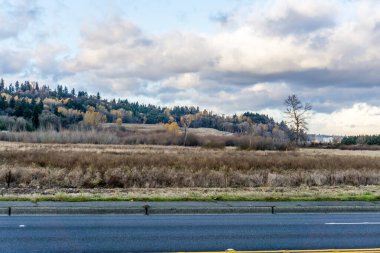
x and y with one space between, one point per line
375 250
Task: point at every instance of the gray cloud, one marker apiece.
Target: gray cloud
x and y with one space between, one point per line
296 22
13 62
310 78
16 16
48 61
220 17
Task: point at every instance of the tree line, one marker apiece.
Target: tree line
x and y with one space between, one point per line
30 106
361 140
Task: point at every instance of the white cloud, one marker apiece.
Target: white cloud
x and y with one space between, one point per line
183 81
246 51
360 118
117 49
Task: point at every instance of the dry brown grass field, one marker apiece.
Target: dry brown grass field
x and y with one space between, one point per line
148 128
140 170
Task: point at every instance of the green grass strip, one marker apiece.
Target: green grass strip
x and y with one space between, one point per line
64 197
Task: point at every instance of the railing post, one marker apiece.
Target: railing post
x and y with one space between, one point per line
146 207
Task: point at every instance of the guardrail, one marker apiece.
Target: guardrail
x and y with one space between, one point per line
147 210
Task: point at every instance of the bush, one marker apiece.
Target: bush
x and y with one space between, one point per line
192 140
212 144
14 124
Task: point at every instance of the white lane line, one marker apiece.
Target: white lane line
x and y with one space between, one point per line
21 226
352 223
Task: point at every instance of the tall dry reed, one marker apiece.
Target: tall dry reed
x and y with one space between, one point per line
183 167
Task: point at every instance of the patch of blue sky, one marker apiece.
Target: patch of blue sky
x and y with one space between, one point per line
152 16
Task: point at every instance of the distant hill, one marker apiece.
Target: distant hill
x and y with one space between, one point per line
27 106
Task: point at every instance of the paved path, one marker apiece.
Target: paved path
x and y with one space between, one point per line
139 233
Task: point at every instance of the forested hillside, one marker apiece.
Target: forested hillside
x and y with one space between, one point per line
28 106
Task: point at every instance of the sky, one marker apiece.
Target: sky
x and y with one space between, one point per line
227 56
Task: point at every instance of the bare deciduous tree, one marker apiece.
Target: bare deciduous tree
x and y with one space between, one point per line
185 122
297 114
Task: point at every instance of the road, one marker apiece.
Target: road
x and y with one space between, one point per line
154 233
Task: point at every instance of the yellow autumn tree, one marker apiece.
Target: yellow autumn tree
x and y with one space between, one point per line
119 122
93 118
172 128
167 112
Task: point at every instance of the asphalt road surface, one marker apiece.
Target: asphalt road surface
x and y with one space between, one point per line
162 233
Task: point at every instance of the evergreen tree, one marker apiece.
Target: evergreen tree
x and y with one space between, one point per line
66 92
3 103
35 115
27 110
12 102
82 94
11 89
19 109
59 91
2 86
28 86
17 86
22 87
40 106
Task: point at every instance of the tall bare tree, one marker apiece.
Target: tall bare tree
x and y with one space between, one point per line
185 122
297 114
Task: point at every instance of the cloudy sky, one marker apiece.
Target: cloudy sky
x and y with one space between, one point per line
229 56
